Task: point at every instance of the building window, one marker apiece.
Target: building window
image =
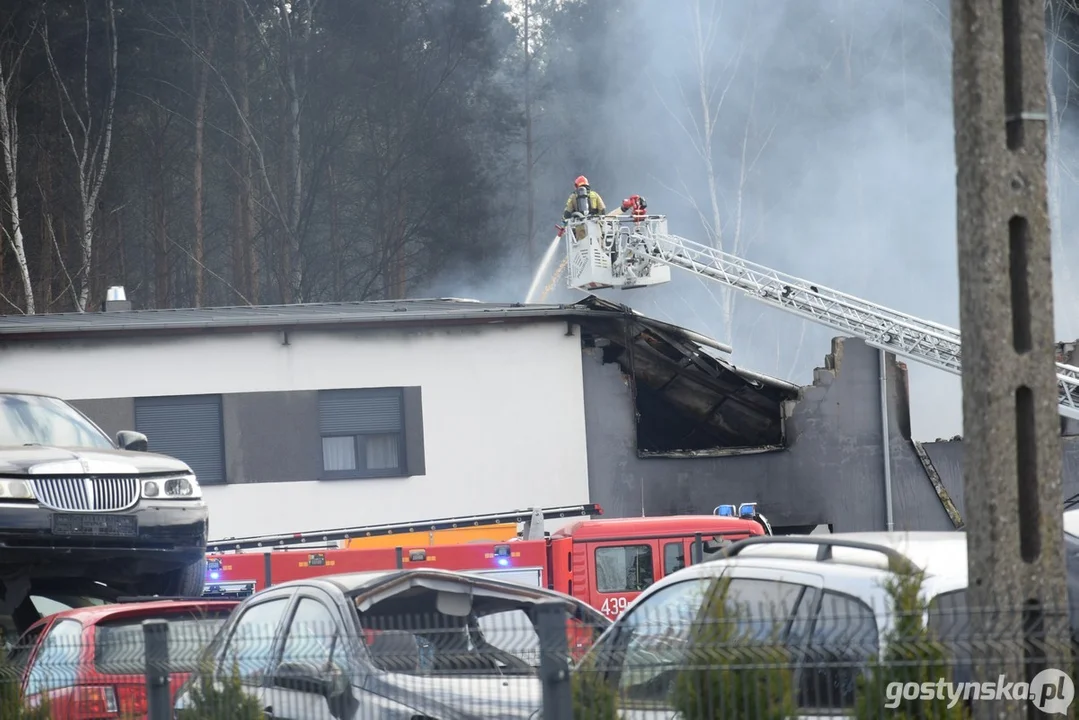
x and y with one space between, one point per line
187 427
363 433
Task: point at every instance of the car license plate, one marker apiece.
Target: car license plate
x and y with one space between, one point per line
99 525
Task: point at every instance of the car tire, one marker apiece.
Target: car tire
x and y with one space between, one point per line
188 581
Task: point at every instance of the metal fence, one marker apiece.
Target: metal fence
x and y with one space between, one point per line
691 662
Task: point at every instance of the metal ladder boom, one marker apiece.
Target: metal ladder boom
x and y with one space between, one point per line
285 540
921 340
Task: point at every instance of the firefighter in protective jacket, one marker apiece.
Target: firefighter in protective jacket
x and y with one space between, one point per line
636 206
583 200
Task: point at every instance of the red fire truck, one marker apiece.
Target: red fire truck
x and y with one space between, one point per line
605 562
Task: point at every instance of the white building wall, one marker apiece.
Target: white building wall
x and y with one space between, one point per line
503 412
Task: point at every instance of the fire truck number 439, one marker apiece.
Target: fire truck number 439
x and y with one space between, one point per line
614 606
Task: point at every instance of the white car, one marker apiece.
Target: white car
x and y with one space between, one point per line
832 595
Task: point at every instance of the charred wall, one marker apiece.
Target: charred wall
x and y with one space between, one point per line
687 401
831 470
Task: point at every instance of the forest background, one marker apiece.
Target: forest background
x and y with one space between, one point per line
230 152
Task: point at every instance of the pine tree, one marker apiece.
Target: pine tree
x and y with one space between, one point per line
225 698
912 654
593 696
12 703
727 674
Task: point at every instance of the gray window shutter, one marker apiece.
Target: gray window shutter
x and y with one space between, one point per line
187 428
358 412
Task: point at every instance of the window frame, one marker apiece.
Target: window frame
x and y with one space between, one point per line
955 606
54 679
806 663
680 545
164 401
20 655
623 546
176 637
221 652
338 638
612 648
360 440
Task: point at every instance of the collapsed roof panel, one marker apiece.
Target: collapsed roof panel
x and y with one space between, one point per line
689 401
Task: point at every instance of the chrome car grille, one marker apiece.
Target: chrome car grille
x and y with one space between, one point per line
96 494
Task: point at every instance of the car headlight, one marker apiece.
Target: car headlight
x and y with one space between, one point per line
16 490
181 487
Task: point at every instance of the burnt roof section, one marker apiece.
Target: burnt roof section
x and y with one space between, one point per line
690 401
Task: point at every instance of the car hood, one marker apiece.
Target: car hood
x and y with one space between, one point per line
462 696
33 460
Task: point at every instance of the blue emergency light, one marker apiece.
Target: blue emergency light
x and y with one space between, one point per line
502 555
213 567
745 510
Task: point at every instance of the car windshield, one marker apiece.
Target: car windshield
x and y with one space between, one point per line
38 420
495 637
119 646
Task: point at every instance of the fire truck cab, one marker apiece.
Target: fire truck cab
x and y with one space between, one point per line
608 562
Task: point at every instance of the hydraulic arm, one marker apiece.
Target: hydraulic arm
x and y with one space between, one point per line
627 253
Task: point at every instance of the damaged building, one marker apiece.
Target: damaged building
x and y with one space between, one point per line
830 467
688 401
305 417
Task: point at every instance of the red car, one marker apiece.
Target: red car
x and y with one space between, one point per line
89 662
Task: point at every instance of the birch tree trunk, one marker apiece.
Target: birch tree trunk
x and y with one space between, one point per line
202 73
335 234
9 147
91 155
159 204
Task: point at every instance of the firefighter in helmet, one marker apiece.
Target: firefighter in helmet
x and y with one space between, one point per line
636 206
583 200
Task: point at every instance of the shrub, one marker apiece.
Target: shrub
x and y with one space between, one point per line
210 700
728 674
912 654
12 706
593 696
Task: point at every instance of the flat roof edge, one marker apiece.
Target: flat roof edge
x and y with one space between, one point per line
282 322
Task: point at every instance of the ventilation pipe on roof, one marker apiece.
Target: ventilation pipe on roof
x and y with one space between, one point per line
116 300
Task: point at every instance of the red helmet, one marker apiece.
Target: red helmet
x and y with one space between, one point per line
581 180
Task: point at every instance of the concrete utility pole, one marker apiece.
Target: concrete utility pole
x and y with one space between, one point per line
1011 432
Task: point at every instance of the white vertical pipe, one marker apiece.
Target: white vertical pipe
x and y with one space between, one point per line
886 439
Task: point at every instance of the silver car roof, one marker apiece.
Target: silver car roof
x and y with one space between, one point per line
856 572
